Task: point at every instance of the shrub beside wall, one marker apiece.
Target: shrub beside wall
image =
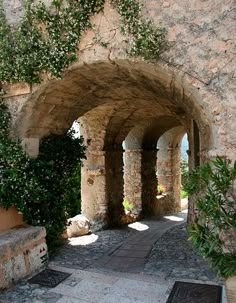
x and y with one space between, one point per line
47 189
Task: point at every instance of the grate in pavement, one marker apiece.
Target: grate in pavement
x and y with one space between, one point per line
185 292
49 278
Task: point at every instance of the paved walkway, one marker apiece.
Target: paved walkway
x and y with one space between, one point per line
136 264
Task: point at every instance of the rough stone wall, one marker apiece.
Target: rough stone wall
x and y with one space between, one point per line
93 186
133 179
164 167
149 181
176 179
168 166
202 38
22 252
114 185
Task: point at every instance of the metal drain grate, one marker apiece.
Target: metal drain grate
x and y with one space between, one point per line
49 278
184 292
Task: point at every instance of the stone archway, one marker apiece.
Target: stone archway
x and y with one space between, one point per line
113 100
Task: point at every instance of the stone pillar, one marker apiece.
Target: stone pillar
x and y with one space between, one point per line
169 176
93 188
164 168
149 181
176 178
133 180
114 185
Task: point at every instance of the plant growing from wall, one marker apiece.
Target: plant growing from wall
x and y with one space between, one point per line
160 189
47 189
214 232
127 205
47 39
147 40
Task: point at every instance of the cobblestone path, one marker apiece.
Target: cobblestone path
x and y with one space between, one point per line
134 264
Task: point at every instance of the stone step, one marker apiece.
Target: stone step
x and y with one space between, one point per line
102 287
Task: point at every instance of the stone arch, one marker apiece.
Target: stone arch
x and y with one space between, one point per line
114 99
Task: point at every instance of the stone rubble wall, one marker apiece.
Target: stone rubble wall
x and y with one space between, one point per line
133 179
23 251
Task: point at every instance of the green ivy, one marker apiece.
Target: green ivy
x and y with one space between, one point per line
47 39
147 40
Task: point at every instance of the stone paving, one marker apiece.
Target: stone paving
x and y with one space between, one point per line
137 264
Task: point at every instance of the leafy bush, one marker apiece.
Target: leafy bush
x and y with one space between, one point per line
47 189
214 232
160 189
183 194
127 205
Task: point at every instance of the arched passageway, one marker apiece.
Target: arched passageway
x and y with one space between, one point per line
140 103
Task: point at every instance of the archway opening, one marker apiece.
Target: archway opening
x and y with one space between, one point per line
115 101
184 168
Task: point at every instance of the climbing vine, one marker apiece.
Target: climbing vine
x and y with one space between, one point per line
47 39
147 40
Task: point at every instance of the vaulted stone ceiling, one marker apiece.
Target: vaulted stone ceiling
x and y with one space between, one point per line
118 95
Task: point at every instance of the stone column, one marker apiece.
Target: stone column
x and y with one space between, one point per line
93 188
114 185
168 167
133 180
149 181
164 168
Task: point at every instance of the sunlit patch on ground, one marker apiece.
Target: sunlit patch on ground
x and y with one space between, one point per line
84 240
174 218
138 226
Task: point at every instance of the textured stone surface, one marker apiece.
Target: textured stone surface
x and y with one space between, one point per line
109 281
174 258
77 226
132 179
22 252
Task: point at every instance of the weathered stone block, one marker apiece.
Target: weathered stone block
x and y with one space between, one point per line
78 226
13 269
22 252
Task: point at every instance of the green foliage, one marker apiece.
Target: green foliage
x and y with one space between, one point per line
47 39
183 194
160 189
18 185
216 213
127 205
147 40
47 189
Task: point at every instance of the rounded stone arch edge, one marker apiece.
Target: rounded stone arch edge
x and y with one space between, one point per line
182 89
